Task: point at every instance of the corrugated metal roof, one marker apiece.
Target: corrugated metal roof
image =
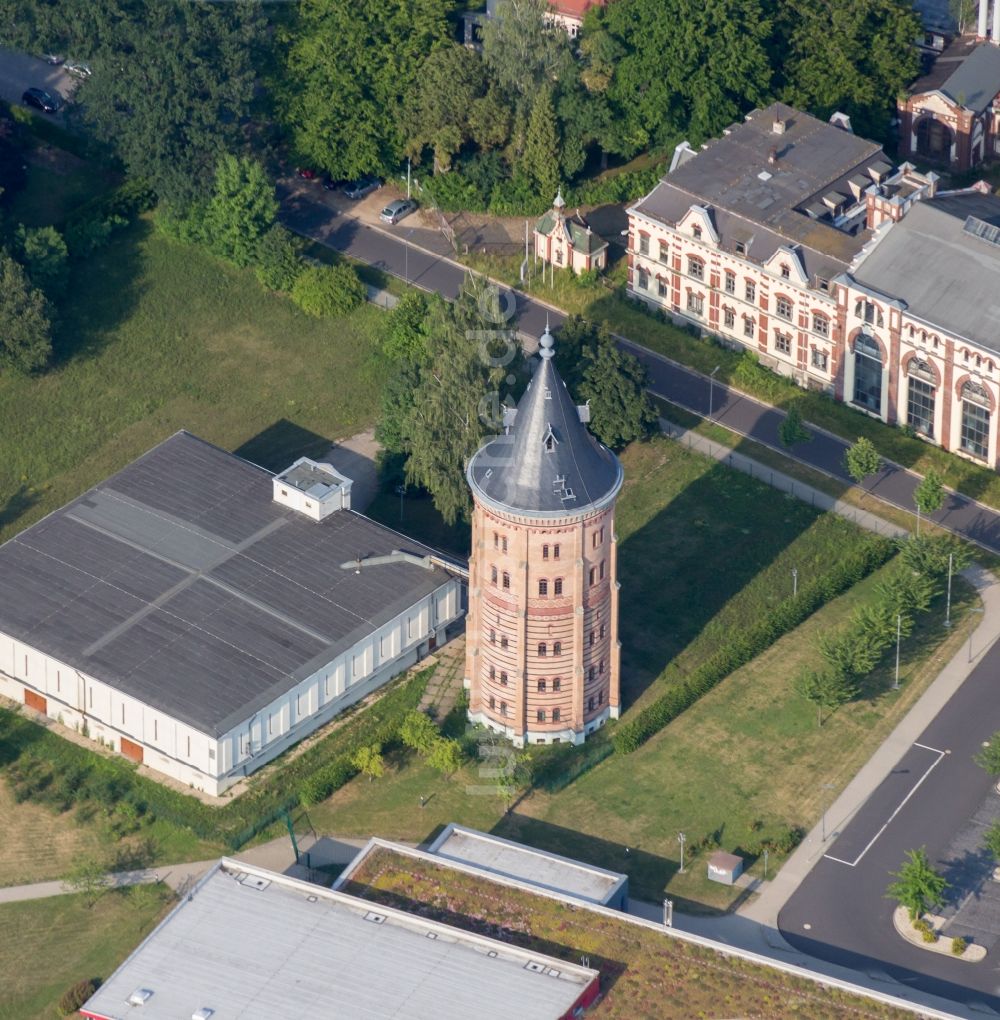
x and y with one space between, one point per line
256 945
180 582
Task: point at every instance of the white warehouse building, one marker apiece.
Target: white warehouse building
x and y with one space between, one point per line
201 615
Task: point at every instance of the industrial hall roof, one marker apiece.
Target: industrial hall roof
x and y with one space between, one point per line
180 582
257 945
546 464
764 188
943 260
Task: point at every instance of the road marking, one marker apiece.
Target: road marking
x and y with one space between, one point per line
857 860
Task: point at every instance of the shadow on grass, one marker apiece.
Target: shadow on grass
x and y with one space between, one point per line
20 502
103 293
680 568
281 444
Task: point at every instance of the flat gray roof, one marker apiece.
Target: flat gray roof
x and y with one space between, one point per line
507 859
180 582
763 203
255 945
976 81
962 294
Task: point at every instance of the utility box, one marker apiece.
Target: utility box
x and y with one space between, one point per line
724 868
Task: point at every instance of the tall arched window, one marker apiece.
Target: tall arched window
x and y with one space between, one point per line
868 373
975 438
920 397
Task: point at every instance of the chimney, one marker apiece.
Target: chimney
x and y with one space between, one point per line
772 157
983 18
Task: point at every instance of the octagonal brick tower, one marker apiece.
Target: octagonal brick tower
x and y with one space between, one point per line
542 650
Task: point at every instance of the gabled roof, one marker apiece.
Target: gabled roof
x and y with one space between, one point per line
547 464
976 82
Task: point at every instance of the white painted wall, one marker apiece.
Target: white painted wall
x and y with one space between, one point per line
199 759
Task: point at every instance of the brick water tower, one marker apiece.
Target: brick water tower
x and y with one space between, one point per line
542 659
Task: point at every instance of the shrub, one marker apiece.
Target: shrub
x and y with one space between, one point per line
455 192
328 290
959 945
76 995
517 197
279 259
623 187
746 645
445 755
327 780
418 731
928 935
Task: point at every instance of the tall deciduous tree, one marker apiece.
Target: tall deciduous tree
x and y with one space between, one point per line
521 48
862 460
918 887
826 689
25 331
348 67
614 384
241 210
928 495
851 55
172 83
440 111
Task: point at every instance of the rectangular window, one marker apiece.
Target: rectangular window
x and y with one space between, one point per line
741 248
506 580
189 747
662 290
782 343
696 232
543 587
751 291
503 707
543 649
590 704
557 648
270 724
821 325
156 729
696 268
493 575
783 308
540 715
541 686
503 679
555 715
602 534
593 575
503 544
496 540
920 406
493 636
593 637
493 703
820 360
503 641
545 552
602 631
748 328
975 429
557 684
493 672
730 282
643 279
695 304
644 244
729 317
786 272
555 552
665 252
602 570
558 586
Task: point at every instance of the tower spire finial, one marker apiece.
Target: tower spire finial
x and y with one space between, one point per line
546 342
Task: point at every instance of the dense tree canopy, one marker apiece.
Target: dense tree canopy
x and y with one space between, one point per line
25 337
348 68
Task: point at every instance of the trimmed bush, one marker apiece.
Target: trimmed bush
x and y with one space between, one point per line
279 259
328 290
75 996
959 945
748 644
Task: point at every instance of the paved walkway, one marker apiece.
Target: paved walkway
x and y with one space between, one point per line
446 683
355 457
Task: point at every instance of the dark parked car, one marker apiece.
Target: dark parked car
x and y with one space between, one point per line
362 187
41 100
334 183
307 173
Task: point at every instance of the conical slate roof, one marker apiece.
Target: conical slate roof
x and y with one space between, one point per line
548 463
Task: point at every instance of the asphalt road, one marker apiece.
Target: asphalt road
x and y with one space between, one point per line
839 913
689 389
19 71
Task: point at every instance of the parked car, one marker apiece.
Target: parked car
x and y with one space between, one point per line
363 186
306 173
77 69
41 100
52 58
395 211
334 183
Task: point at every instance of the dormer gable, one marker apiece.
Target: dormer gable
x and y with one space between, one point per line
698 223
786 264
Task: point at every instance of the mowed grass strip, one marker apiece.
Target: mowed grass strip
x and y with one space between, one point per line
156 336
48 945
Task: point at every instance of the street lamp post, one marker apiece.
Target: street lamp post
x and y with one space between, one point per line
980 611
765 864
668 913
795 581
711 390
899 631
682 839
947 611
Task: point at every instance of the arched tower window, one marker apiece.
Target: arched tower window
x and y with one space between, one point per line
868 373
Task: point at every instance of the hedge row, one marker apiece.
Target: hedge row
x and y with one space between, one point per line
748 644
60 773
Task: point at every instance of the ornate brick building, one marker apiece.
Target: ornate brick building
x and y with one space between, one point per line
800 242
542 659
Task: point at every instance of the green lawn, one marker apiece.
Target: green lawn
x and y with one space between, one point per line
158 336
48 945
